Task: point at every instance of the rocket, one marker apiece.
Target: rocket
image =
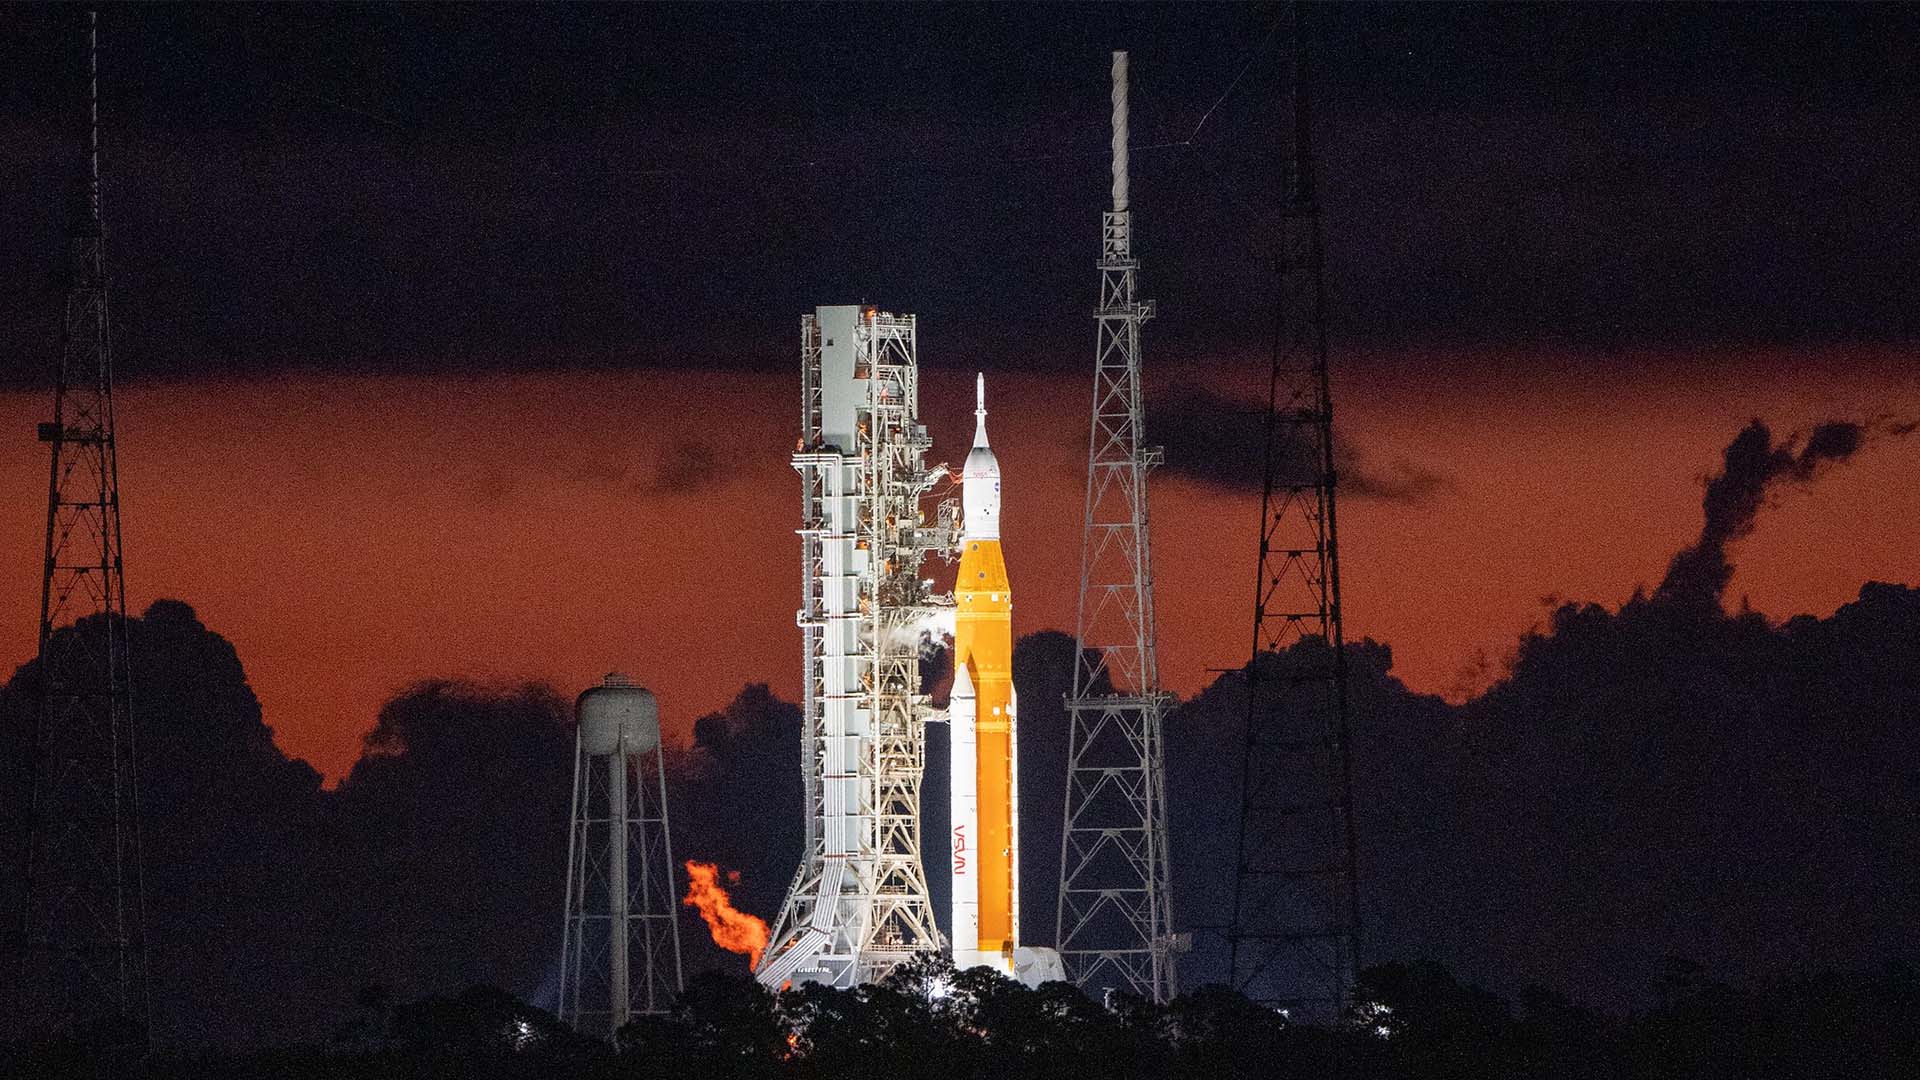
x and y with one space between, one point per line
984 795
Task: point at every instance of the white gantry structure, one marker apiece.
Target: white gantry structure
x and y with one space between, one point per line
859 905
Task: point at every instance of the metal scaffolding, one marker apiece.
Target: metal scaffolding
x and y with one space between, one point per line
859 903
84 962
1115 915
1296 910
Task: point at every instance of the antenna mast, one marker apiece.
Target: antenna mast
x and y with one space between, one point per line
84 959
1115 905
1296 918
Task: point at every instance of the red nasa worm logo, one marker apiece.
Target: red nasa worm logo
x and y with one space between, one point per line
959 849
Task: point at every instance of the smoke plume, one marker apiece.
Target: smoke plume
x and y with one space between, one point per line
1752 466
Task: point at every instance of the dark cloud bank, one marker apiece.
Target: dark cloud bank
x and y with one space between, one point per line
405 188
1222 441
1651 781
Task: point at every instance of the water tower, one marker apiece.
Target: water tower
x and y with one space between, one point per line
620 953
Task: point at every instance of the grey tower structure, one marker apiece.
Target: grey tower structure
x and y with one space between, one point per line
620 952
1114 907
1293 938
84 960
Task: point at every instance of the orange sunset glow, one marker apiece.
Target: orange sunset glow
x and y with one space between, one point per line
353 534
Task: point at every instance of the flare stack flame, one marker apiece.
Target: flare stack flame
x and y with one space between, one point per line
732 929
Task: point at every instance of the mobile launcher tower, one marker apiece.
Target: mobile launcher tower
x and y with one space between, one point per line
859 905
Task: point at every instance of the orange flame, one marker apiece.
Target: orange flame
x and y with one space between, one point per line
732 929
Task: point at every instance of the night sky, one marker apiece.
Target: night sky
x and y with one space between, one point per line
461 342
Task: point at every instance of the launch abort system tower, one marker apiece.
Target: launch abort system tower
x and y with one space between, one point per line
1115 909
84 961
858 904
620 951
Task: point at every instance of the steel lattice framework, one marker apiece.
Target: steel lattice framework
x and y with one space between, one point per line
1293 939
859 902
84 956
1115 912
617 910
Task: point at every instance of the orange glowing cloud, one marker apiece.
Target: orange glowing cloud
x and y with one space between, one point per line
732 929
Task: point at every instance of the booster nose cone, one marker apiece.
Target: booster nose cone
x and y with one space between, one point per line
962 683
980 477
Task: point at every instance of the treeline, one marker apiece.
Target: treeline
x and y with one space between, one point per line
1411 1022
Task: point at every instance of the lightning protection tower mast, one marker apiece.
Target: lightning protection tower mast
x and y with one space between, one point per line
84 944
1296 910
1114 904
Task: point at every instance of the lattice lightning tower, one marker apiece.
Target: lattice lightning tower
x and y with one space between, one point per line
84 939
1296 910
858 904
1114 904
